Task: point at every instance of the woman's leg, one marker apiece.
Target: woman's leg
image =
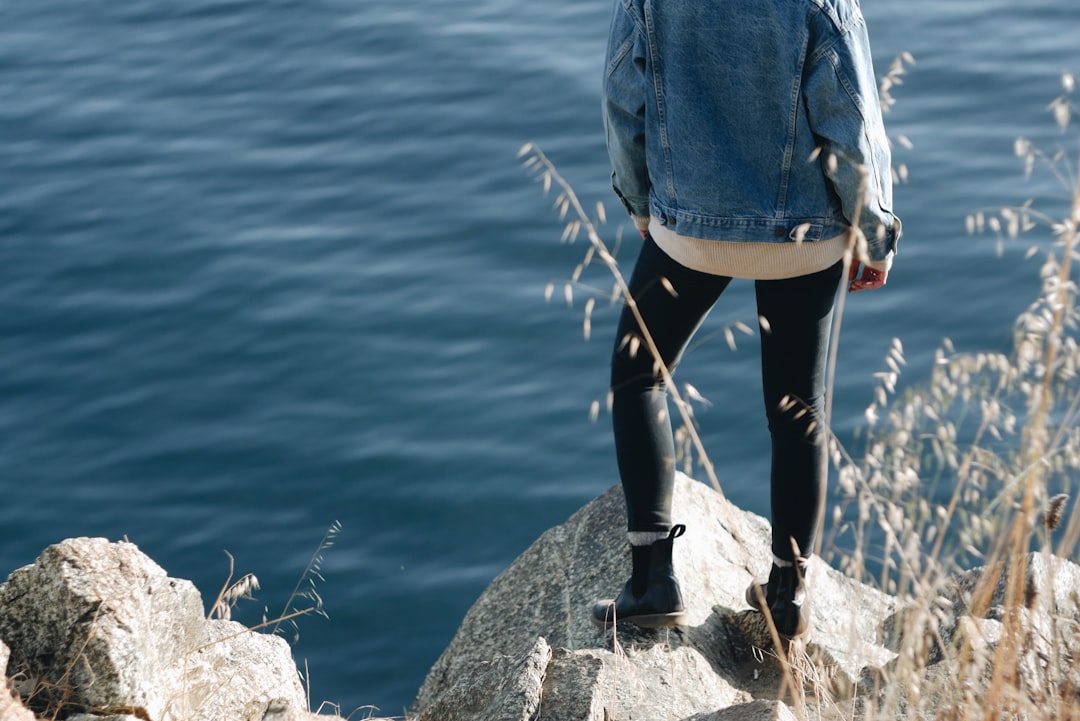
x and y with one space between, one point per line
673 300
643 438
794 350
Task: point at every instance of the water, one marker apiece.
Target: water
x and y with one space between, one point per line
264 265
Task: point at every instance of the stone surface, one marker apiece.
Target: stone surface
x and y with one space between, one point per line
102 618
651 682
1052 585
571 687
98 625
506 688
11 708
1037 642
549 590
760 710
235 670
1051 608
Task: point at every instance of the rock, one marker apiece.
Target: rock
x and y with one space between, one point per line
506 688
760 710
649 682
104 619
570 687
1051 586
549 590
98 625
11 708
234 669
1037 642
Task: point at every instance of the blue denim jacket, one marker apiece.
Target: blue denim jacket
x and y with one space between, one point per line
748 121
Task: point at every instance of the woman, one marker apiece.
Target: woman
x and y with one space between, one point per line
746 141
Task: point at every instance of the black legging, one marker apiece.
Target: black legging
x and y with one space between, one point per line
793 357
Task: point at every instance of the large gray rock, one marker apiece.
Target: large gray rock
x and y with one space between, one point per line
94 625
549 590
104 619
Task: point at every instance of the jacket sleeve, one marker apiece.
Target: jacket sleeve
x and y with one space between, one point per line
624 94
842 103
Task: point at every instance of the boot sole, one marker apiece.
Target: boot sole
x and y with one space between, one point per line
649 620
753 599
803 624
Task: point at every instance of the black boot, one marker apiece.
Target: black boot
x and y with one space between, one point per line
785 597
651 598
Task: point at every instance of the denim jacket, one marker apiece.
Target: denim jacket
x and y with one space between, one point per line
748 121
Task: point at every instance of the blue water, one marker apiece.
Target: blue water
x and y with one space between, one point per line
264 265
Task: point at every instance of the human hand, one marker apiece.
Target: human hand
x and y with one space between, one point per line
868 279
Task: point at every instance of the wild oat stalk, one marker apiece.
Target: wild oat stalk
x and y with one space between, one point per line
568 204
230 595
305 587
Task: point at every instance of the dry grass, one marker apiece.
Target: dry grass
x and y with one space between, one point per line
970 469
305 589
1000 431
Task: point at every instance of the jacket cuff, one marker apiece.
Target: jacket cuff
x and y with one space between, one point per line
885 243
882 265
640 222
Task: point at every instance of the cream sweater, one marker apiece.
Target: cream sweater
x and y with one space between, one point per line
758 261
